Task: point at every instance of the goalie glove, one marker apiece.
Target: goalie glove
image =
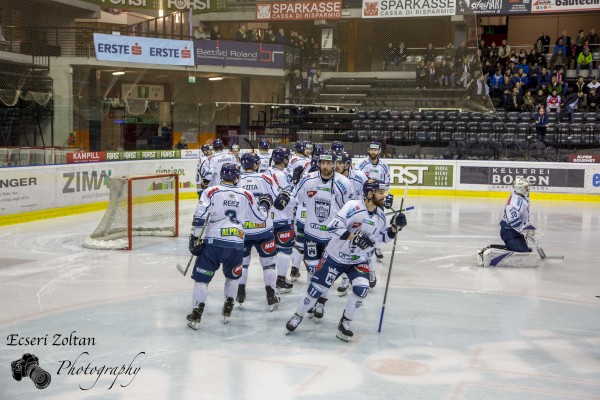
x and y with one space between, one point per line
282 200
362 240
297 174
399 221
389 200
529 231
195 245
265 202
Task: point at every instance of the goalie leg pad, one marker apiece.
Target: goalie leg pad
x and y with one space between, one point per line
493 257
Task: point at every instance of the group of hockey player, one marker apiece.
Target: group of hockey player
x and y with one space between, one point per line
255 200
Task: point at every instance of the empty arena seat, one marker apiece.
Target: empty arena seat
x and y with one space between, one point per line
475 116
417 115
361 114
406 115
356 123
552 116
445 136
501 114
526 116
452 115
513 116
422 136
395 114
373 114
429 114
441 115
577 117
511 127
590 116
384 114
464 116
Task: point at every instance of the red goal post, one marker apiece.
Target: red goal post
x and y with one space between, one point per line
138 205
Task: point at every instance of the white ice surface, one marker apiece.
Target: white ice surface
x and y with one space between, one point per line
452 330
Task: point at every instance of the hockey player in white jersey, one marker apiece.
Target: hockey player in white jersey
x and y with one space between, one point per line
264 154
324 192
258 233
202 167
235 150
298 168
283 220
355 230
514 229
374 168
216 162
223 209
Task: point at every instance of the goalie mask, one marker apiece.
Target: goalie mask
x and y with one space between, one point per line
521 187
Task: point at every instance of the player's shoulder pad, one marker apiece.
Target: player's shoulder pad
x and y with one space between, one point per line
353 208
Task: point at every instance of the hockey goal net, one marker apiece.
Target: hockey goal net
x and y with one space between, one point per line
138 205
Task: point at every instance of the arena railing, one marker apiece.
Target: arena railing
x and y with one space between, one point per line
29 156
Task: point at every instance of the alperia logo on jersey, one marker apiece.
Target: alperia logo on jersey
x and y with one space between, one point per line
204 272
348 257
319 227
232 232
366 221
254 225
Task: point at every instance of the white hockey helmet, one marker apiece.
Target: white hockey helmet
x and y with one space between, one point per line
521 186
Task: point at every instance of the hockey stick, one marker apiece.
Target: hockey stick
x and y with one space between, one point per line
178 266
541 251
250 143
387 284
402 210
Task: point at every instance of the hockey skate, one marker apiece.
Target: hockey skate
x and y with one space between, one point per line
227 309
372 279
378 254
241 294
344 333
195 316
343 287
294 274
320 308
283 285
272 298
293 323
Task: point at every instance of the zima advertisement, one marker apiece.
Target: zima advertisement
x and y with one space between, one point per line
137 49
407 8
299 10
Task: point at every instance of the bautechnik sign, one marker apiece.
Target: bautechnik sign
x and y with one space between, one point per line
229 53
170 6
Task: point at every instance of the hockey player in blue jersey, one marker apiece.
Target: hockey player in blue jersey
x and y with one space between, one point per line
283 220
216 162
258 233
264 154
374 168
202 167
323 192
223 210
355 230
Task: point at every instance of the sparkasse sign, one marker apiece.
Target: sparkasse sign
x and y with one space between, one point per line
299 10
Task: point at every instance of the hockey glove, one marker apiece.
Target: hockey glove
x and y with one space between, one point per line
265 202
398 221
297 175
362 240
389 200
195 245
529 231
205 183
282 200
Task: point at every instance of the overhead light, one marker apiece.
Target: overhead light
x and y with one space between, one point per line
119 73
216 78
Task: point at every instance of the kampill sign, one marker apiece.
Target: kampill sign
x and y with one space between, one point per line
299 10
229 53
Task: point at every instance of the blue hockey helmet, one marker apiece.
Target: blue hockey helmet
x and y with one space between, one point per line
372 185
300 146
230 172
318 149
218 144
263 144
345 158
375 145
206 147
248 160
337 147
328 155
279 155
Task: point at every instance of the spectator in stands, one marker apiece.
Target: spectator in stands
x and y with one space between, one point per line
580 85
315 82
555 86
487 68
445 72
534 71
540 99
541 122
297 85
532 57
494 49
478 90
280 36
215 33
465 72
484 49
592 39
401 54
561 79
181 144
513 100
429 55
432 75
461 53
528 102
495 83
199 34
269 36
506 88
585 60
571 102
594 84
545 41
449 51
504 51
543 78
421 75
241 35
558 59
520 76
389 56
579 40
553 102
523 65
453 73
538 47
593 100
560 45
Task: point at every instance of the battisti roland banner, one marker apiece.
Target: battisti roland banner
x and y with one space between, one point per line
407 8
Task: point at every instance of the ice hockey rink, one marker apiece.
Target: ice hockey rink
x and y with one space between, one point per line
452 330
